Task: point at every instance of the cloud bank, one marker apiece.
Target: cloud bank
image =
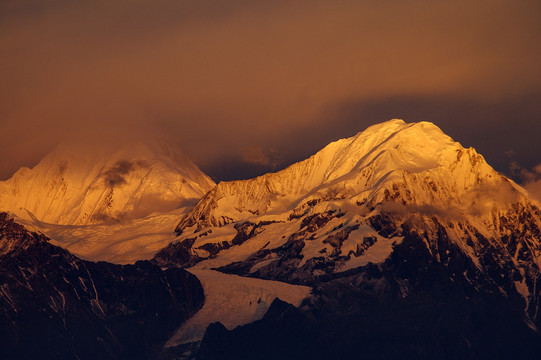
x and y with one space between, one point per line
221 77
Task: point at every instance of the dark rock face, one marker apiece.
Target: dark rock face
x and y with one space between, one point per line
451 288
177 254
317 221
287 257
428 300
281 334
54 305
180 254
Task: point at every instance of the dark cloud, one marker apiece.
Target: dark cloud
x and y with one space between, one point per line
259 156
218 77
503 131
531 179
116 175
499 129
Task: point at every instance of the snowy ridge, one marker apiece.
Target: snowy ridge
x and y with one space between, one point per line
88 183
418 156
355 201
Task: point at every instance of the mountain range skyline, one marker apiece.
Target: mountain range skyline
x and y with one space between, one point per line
87 149
281 179
397 230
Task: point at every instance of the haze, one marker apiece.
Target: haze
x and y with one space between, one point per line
246 87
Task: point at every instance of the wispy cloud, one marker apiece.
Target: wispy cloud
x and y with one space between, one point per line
531 179
258 156
116 175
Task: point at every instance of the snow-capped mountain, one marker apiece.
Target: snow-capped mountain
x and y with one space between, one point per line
354 202
415 247
385 159
88 183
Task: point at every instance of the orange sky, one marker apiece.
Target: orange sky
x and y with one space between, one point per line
245 86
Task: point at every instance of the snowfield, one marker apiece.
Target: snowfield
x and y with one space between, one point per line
123 242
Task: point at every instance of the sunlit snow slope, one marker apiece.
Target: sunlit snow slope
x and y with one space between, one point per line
90 184
122 242
355 201
418 156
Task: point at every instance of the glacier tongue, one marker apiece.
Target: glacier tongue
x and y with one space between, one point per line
234 301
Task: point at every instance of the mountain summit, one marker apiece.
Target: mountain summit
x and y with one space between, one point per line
415 247
86 183
356 201
416 162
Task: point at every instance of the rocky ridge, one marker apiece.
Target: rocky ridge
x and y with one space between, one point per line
61 307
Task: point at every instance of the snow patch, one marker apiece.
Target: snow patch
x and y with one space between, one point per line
375 254
273 234
522 289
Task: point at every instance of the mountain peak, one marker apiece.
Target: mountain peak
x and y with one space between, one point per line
408 146
393 127
359 167
81 183
355 202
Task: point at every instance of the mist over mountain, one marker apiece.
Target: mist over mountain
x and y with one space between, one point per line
84 183
397 242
